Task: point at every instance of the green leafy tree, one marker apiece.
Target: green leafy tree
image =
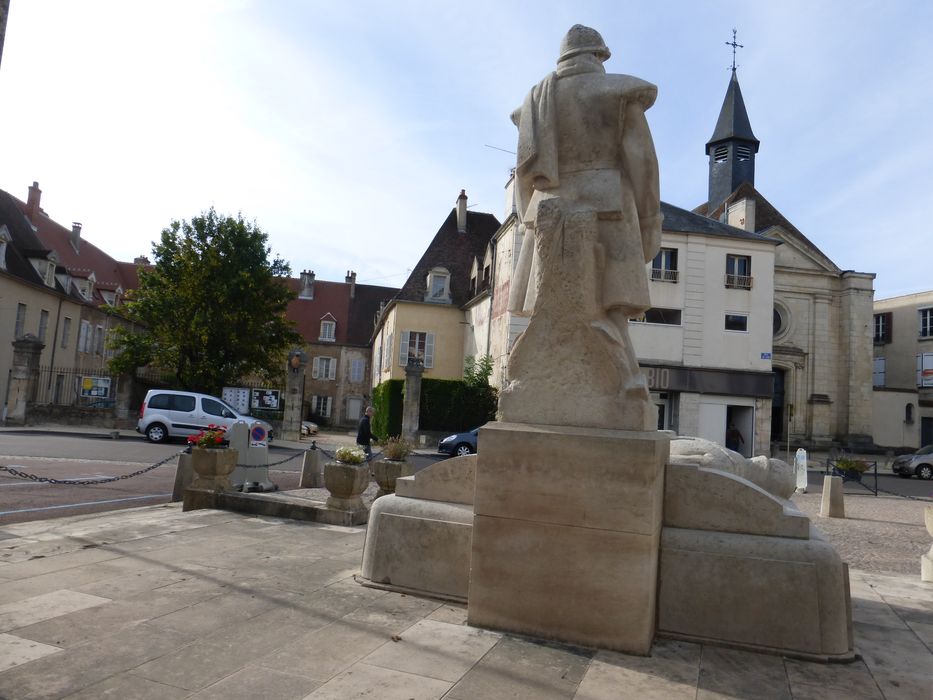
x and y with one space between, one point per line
212 307
477 370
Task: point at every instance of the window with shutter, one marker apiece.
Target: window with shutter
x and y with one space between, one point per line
316 368
403 348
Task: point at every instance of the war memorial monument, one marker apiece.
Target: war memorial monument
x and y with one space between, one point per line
578 520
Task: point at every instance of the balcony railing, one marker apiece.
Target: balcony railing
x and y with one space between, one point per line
738 282
660 275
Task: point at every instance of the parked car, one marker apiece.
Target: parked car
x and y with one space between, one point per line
459 444
920 463
168 413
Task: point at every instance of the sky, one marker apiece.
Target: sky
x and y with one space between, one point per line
347 130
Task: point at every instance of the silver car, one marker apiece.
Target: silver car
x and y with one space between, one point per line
919 464
169 413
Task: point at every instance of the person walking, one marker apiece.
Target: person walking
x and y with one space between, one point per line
364 434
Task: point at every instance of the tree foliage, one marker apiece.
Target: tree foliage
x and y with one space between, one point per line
212 307
477 370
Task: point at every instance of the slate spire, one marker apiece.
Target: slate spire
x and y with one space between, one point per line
732 147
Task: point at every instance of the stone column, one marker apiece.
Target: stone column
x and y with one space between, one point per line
23 377
125 413
294 394
412 408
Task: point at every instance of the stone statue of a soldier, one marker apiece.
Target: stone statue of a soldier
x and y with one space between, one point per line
588 195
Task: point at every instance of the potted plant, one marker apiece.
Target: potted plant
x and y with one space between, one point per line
346 478
211 460
392 465
850 469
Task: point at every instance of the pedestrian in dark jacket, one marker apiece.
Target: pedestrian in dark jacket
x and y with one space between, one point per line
364 435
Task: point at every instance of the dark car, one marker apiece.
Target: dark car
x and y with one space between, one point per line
920 463
459 444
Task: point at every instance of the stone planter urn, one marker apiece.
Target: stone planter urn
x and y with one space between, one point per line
386 471
346 483
213 467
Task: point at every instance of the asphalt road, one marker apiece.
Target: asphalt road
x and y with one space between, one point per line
78 457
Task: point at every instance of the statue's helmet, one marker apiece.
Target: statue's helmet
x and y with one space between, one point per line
582 39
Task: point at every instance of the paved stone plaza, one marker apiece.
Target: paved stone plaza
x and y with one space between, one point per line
156 603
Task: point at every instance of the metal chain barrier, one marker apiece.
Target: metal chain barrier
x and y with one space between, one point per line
86 482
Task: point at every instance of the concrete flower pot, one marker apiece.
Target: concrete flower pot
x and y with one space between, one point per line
213 468
386 472
346 483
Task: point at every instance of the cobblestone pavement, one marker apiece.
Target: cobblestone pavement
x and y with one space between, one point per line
879 533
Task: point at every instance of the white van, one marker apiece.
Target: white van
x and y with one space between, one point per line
167 413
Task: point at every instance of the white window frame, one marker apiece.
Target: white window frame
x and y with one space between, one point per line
322 405
664 265
427 349
5 238
328 332
66 331
733 279
83 335
20 328
357 369
880 327
925 318
43 324
388 352
317 370
438 274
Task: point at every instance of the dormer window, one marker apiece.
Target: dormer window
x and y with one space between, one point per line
4 239
438 286
328 329
110 298
50 275
474 277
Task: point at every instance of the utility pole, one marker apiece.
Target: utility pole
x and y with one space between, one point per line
4 11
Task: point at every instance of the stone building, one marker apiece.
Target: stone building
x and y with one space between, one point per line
60 289
903 370
429 317
336 321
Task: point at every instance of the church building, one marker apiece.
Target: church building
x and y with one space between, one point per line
822 314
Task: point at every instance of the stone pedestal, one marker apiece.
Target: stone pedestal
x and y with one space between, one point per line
294 395
832 504
24 374
312 475
566 533
411 409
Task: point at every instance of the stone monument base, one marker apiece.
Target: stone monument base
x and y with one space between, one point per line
566 533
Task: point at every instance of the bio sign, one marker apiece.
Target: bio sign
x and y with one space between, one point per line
96 387
266 398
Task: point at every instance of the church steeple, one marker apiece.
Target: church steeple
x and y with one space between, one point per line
732 148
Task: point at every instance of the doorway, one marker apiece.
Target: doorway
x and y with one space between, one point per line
778 423
740 429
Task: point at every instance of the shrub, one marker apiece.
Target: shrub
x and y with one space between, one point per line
396 448
849 464
350 455
455 405
388 399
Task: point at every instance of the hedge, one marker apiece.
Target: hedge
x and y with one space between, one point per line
452 405
388 399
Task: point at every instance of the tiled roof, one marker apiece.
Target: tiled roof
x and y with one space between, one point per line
24 241
681 220
355 317
108 272
454 251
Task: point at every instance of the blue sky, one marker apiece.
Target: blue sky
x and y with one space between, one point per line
346 130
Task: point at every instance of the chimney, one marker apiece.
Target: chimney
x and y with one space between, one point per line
141 260
461 212
32 203
75 237
351 280
307 285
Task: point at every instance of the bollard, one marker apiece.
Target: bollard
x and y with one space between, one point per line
312 475
800 466
254 452
832 504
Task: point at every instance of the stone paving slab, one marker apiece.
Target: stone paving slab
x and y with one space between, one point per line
219 605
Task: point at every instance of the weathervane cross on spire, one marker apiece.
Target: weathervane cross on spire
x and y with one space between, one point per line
734 46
